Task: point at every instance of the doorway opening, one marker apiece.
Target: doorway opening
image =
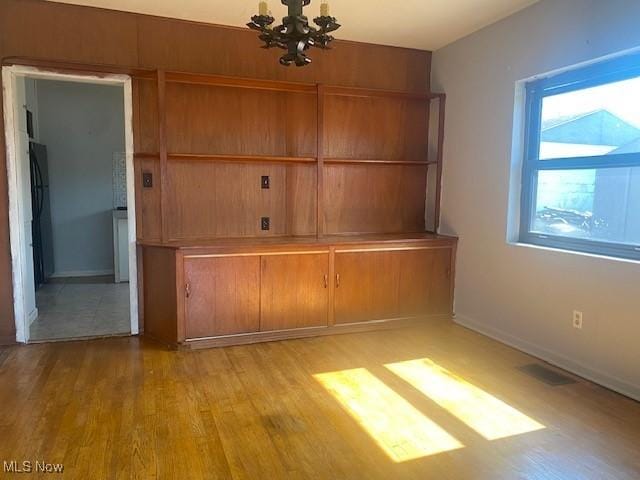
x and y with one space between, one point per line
71 204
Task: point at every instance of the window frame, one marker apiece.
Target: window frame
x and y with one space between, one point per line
602 73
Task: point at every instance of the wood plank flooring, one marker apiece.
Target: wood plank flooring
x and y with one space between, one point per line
127 408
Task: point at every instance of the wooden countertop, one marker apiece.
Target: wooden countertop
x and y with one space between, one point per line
299 241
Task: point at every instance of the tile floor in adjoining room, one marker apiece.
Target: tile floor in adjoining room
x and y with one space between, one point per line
81 307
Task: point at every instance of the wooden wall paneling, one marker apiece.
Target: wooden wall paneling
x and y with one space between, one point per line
386 68
301 198
294 291
51 31
147 157
375 128
137 178
90 35
211 199
320 229
148 199
160 302
146 121
137 170
240 121
162 148
374 198
223 296
192 47
432 180
195 47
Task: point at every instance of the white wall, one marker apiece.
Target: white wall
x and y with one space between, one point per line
82 126
522 295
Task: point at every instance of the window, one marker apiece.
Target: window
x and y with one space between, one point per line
581 173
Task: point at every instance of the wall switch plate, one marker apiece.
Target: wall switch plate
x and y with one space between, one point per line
264 182
577 319
265 223
147 180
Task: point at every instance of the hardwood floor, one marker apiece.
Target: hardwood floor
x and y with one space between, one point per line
361 406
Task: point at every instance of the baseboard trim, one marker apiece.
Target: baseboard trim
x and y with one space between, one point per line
595 376
82 273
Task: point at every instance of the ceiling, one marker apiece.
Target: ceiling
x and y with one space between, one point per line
423 24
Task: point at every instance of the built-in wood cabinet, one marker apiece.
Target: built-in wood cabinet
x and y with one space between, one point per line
230 292
322 221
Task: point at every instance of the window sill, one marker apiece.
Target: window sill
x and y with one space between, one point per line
574 252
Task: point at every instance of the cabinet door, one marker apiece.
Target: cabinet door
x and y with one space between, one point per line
425 283
392 284
223 296
367 286
294 291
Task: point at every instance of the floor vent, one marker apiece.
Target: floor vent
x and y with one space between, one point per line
546 375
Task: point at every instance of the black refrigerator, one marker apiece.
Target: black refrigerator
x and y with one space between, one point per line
41 214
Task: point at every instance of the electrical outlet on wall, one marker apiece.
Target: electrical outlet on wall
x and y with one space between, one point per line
577 319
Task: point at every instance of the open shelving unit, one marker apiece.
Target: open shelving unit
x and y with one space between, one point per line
357 160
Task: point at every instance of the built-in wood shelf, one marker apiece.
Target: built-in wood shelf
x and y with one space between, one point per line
280 159
376 162
229 158
368 92
240 158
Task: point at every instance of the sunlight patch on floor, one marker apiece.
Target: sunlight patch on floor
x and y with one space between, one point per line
402 431
490 417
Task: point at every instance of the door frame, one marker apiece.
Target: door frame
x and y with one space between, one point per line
10 74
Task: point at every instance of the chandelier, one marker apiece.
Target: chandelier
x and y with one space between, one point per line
295 35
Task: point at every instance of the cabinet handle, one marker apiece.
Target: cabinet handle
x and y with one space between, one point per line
337 280
187 289
326 280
